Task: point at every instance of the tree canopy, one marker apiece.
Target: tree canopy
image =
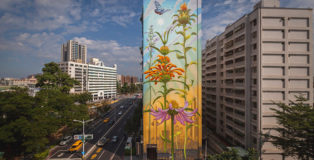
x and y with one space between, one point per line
296 136
28 124
53 78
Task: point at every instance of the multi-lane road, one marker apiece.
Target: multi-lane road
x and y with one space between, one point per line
99 129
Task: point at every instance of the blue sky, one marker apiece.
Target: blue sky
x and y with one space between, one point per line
32 31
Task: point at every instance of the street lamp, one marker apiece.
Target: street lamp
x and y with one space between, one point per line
83 131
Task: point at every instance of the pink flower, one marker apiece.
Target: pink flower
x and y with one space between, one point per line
160 114
179 114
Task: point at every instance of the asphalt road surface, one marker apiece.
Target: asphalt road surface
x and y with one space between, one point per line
99 129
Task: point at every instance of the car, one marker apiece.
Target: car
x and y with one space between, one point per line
120 113
102 141
114 139
128 143
121 107
106 120
76 146
65 140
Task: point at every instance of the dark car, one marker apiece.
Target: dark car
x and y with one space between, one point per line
114 139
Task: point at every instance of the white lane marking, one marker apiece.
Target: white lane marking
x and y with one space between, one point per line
116 149
56 153
101 153
61 154
109 130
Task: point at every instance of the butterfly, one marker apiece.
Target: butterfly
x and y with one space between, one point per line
159 10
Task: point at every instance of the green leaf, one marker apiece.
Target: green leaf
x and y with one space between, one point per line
182 83
188 37
147 110
162 105
180 32
193 62
156 99
193 33
156 49
164 138
192 82
177 51
179 56
187 49
169 90
177 133
177 43
182 90
188 126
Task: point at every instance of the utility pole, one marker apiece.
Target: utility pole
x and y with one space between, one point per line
83 137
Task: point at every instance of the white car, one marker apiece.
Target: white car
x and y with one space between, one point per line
102 141
121 107
120 113
65 140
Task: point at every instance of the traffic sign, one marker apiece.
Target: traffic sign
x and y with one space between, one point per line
87 136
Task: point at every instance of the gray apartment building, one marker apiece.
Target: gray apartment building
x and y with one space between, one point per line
262 58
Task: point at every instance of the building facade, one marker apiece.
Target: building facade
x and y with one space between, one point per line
262 58
73 51
102 80
128 80
94 77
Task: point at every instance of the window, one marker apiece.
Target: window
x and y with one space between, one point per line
254 34
229 34
254 22
254 46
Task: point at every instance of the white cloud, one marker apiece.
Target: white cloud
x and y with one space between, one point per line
40 14
111 52
39 44
227 12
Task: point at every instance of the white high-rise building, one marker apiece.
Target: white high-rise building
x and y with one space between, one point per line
94 77
262 58
73 51
102 80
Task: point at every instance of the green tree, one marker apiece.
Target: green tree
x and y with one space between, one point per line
296 136
227 155
53 78
83 97
133 88
23 127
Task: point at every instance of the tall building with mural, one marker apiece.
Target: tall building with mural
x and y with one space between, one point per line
172 79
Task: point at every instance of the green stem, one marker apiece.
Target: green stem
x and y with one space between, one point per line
172 136
164 107
150 97
185 75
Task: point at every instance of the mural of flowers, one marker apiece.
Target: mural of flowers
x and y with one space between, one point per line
171 70
163 71
175 115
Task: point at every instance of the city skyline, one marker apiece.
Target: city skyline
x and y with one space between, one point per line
32 32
